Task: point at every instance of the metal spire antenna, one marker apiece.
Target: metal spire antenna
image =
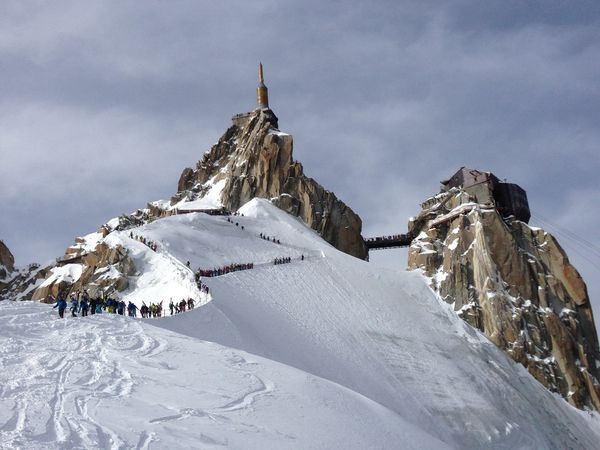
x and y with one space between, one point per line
262 93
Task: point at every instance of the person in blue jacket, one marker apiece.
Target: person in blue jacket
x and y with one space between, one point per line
62 305
131 309
74 305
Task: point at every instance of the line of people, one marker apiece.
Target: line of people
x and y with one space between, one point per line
222 270
98 305
152 311
181 306
269 238
150 244
386 238
285 260
202 287
84 305
237 224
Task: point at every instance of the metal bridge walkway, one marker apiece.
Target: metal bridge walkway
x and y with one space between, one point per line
383 242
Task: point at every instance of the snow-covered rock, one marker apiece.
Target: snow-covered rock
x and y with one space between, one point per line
254 159
512 282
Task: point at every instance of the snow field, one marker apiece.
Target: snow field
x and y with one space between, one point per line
112 382
329 352
385 335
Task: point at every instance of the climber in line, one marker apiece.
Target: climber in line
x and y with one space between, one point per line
74 305
131 309
84 306
61 304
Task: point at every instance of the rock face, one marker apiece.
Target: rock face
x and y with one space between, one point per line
101 270
7 266
7 261
253 159
516 285
17 283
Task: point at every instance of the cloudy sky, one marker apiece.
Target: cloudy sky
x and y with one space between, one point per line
102 104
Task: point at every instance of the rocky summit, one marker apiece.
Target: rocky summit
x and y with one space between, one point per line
254 159
514 283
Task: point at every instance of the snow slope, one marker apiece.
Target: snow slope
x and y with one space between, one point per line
111 382
209 242
385 335
347 356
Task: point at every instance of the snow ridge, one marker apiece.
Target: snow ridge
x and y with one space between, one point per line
324 352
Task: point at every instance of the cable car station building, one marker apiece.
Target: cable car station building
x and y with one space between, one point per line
509 199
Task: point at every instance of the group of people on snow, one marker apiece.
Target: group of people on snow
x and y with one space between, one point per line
181 306
86 305
237 224
82 303
202 287
269 238
222 270
285 260
150 244
152 311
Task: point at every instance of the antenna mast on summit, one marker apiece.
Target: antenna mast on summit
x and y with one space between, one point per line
262 93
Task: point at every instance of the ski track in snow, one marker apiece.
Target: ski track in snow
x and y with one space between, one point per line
113 382
69 378
55 393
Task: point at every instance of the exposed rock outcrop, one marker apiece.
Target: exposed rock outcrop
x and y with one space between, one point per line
100 270
7 263
516 285
254 159
18 283
7 267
